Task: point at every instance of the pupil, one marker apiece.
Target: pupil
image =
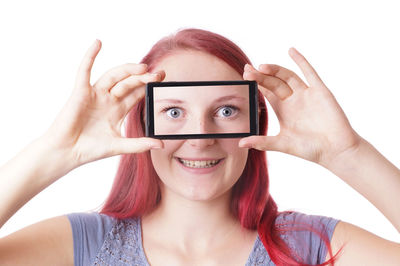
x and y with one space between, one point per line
174 113
226 112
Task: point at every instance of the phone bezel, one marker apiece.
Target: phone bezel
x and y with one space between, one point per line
253 102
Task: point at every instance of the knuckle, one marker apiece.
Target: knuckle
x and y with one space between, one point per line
268 68
121 86
113 78
110 76
274 69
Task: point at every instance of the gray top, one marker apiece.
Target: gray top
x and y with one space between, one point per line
102 240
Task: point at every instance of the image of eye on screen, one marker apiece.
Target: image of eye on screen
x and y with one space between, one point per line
201 109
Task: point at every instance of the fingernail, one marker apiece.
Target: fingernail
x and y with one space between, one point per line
157 73
96 43
247 67
293 51
156 147
244 145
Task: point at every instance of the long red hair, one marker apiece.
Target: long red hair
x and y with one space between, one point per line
136 190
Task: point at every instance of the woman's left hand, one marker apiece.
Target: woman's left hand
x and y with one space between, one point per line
312 124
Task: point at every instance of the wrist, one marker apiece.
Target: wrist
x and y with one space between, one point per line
347 158
29 172
52 161
351 163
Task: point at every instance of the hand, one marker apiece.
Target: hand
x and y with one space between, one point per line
89 125
312 124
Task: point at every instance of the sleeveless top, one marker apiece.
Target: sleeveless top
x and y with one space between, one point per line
103 240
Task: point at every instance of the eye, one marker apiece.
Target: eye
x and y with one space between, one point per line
174 112
227 111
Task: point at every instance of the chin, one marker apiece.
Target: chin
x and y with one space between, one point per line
199 193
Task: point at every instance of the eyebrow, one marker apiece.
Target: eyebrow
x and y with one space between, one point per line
222 99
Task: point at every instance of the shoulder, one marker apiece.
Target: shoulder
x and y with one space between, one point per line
91 222
89 231
308 235
298 219
48 242
99 238
357 246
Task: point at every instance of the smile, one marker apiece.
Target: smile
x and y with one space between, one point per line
199 164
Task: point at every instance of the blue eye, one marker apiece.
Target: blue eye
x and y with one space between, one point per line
227 111
174 112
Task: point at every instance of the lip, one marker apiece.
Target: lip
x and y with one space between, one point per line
200 170
199 159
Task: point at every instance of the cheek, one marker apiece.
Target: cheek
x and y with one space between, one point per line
237 156
162 158
156 158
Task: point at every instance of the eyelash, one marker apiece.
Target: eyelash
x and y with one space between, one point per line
234 108
165 109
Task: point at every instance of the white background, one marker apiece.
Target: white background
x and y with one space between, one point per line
354 46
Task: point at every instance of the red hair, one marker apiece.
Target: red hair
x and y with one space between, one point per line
136 190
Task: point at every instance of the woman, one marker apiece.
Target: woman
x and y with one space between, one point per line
169 217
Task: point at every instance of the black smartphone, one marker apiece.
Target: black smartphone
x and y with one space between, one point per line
201 109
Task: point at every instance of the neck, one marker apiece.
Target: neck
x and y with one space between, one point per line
191 224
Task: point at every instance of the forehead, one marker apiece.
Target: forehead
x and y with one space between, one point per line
197 93
191 65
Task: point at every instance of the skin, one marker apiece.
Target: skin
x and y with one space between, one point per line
200 110
192 225
195 207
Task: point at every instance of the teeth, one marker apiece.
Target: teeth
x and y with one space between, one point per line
199 164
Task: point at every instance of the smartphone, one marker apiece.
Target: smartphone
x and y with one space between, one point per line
201 109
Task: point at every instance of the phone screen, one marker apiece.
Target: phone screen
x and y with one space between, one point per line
201 109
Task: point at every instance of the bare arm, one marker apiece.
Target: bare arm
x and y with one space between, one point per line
378 180
48 242
88 128
314 127
36 167
372 175
360 247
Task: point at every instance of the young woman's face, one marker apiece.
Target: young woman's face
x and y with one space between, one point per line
200 169
201 110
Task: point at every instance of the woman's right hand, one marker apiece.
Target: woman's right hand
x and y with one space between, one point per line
88 128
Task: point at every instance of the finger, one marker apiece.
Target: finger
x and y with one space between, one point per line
280 88
288 76
128 85
135 145
116 74
83 76
264 143
310 74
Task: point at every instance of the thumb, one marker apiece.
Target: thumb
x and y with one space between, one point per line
264 143
135 145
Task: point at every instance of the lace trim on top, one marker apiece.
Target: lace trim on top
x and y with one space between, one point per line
123 246
259 255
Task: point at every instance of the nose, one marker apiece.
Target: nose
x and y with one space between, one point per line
203 126
200 143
